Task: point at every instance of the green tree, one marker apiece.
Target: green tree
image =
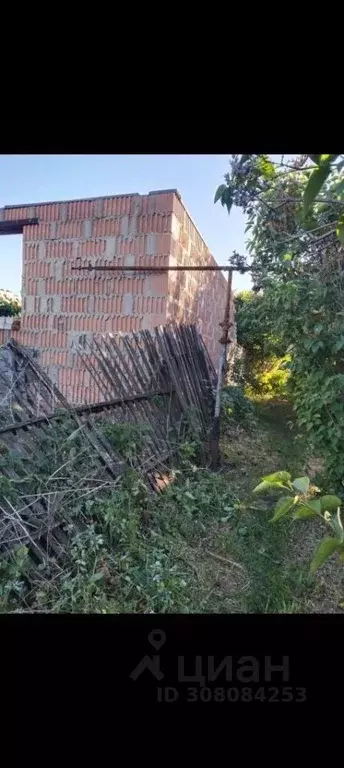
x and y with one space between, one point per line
10 304
295 231
262 367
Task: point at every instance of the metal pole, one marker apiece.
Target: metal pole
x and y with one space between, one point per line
224 340
116 268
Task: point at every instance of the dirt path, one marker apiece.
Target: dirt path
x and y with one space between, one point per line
275 557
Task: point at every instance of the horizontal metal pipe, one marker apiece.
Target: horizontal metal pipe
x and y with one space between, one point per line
206 268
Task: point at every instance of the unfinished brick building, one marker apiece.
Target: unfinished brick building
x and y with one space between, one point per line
62 308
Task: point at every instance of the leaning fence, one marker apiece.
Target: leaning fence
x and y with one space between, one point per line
54 457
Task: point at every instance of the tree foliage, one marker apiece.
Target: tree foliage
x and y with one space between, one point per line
9 304
263 367
295 215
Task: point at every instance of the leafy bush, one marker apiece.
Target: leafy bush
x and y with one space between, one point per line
304 501
263 367
235 406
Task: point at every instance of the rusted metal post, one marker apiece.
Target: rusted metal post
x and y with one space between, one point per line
224 341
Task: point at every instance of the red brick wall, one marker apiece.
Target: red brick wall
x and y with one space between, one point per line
195 297
61 306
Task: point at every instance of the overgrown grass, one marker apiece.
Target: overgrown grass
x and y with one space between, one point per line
202 545
140 552
277 557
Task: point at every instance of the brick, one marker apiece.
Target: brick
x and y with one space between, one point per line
106 305
110 247
127 304
132 228
91 301
175 227
129 261
58 250
58 269
81 209
163 244
11 214
154 222
48 212
87 229
30 252
156 285
74 303
117 206
29 304
98 208
30 287
151 246
41 286
62 322
125 226
69 229
106 227
164 202
37 322
151 321
136 205
41 231
125 246
87 249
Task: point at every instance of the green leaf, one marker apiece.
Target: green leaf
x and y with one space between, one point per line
97 576
311 509
282 476
339 188
265 485
315 182
219 192
226 199
325 159
325 549
340 342
282 507
341 553
301 484
340 233
287 257
330 503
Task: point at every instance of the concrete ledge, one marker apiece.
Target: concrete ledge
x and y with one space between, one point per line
165 192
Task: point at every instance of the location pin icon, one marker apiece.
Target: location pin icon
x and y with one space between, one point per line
157 638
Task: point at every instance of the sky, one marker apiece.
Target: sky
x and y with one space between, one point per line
40 178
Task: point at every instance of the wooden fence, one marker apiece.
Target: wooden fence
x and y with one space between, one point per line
53 456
